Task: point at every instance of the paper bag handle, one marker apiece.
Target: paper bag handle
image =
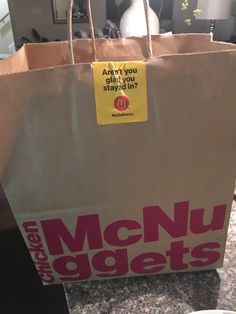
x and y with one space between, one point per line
91 24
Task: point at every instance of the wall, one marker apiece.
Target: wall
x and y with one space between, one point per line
166 10
28 14
6 37
223 31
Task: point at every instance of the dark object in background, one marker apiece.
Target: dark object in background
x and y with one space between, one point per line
99 33
80 9
80 34
232 39
22 291
167 9
115 12
111 30
36 38
7 220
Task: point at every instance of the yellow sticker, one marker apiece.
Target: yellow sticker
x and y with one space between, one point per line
120 92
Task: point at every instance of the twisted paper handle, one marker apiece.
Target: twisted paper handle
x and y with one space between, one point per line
91 24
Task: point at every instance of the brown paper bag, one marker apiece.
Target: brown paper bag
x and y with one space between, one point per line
125 199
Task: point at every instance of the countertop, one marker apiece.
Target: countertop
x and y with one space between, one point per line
162 294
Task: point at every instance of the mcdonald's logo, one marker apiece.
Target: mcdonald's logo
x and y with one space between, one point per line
121 103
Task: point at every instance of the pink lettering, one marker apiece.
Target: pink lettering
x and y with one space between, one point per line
55 232
34 238
41 256
114 262
154 217
47 278
30 226
111 233
148 263
176 253
73 268
206 255
197 220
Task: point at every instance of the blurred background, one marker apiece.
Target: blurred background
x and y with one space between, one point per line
48 19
